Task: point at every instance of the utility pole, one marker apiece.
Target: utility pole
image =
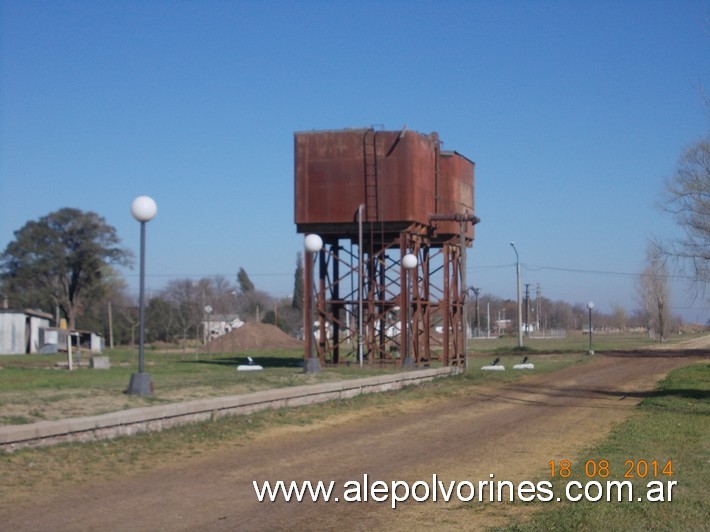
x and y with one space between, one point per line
538 316
520 309
110 325
527 309
477 319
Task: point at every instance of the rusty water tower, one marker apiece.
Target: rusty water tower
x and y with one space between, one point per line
375 197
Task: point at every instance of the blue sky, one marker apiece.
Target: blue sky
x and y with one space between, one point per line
574 112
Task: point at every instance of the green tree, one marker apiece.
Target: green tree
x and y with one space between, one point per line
297 301
60 261
245 284
270 318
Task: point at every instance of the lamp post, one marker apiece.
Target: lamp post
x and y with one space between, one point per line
409 262
520 308
143 210
590 306
312 244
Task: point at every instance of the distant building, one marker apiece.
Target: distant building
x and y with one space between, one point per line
219 325
28 331
503 326
20 331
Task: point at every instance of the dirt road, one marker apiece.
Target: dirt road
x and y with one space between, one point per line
511 431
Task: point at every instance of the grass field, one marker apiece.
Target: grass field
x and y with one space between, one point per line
672 425
26 470
36 387
572 342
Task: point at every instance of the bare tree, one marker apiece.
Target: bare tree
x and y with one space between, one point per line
619 317
654 292
186 298
687 199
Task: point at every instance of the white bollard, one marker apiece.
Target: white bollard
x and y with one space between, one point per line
249 367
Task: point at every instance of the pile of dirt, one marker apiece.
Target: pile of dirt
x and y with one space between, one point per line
253 335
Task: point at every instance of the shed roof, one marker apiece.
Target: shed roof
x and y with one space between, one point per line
27 312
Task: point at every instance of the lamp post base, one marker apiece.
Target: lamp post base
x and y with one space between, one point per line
312 365
141 384
408 363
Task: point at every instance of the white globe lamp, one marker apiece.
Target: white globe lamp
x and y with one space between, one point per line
313 243
144 208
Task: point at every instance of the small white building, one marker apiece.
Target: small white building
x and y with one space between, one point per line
20 331
28 331
219 325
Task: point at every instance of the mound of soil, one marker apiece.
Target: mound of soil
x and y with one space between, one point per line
253 335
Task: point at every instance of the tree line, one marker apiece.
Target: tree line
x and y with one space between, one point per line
178 312
65 262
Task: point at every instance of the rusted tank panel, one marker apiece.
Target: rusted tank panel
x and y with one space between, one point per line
456 192
399 177
328 176
407 182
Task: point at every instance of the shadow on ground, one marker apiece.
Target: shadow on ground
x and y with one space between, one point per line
266 362
658 353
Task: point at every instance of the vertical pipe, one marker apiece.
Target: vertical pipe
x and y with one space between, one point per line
423 304
359 290
446 303
520 308
462 292
320 304
337 306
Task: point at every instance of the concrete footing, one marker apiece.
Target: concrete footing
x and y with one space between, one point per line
159 417
141 384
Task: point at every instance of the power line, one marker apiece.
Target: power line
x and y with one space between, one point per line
204 275
533 267
529 267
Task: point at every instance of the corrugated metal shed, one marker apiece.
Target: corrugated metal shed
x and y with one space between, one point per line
20 331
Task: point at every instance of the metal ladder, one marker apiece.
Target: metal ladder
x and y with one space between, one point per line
371 189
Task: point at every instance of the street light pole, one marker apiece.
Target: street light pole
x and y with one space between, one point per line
520 308
143 210
313 244
590 306
409 261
